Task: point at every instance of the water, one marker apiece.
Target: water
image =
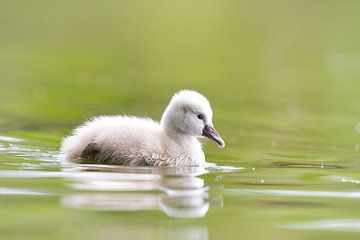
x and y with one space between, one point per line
283 79
276 197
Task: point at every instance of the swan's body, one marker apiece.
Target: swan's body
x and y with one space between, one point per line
128 140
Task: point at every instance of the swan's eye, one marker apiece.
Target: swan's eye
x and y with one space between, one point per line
200 116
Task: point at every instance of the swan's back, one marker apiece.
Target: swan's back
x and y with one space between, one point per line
127 135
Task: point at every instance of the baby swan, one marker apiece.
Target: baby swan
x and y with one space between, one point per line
133 141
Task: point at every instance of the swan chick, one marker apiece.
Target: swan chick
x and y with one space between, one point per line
138 141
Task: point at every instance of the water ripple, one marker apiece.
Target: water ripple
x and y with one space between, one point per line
295 193
20 191
10 139
349 225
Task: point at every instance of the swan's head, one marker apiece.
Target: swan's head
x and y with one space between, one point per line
189 113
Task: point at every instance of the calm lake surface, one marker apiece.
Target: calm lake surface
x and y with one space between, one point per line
284 81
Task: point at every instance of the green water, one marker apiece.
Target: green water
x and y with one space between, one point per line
283 78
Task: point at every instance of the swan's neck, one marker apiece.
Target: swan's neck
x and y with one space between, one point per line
176 134
187 145
186 141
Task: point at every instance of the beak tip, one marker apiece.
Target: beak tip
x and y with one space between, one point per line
211 133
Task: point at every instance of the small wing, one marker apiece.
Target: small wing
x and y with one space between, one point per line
90 153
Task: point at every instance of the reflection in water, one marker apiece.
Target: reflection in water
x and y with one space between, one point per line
130 230
111 202
185 232
178 192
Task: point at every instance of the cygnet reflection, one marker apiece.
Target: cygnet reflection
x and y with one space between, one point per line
178 192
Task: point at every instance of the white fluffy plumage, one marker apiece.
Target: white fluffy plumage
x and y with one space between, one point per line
135 141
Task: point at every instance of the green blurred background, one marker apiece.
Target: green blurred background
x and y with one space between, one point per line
63 61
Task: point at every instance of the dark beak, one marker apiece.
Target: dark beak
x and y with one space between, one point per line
211 133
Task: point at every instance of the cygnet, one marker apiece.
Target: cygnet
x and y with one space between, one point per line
138 141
